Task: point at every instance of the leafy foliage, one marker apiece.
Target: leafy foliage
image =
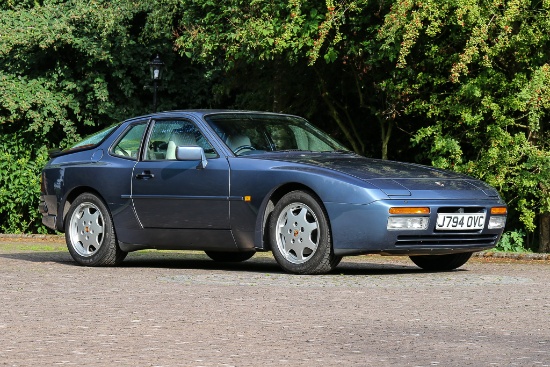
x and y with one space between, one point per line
512 241
459 84
20 170
301 41
481 82
68 68
467 80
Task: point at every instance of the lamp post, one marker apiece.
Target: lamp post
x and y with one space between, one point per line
156 67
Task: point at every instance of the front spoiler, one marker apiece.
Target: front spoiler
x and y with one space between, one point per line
413 251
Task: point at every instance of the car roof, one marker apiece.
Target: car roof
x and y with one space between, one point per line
201 113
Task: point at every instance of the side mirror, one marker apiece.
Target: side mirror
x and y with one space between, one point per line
192 153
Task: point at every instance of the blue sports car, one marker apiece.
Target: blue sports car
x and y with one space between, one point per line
231 183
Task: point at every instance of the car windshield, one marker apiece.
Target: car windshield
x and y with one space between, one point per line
94 139
259 133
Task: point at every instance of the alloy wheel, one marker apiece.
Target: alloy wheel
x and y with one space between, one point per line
297 233
86 229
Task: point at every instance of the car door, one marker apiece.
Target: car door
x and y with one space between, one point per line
168 193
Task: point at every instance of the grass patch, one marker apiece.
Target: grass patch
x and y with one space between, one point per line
31 247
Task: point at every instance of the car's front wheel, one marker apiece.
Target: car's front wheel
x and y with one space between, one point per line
441 262
89 233
300 235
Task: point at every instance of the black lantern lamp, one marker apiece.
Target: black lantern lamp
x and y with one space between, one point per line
156 67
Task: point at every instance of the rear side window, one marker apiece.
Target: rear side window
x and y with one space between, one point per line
94 139
128 145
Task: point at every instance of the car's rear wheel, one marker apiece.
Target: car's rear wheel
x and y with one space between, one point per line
300 235
222 256
89 233
441 262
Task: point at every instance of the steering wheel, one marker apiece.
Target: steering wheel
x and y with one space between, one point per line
243 147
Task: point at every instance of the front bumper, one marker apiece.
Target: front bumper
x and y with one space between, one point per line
362 229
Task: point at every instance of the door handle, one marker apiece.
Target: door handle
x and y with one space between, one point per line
145 175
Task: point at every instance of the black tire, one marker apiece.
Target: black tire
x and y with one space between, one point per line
232 257
90 234
441 262
302 245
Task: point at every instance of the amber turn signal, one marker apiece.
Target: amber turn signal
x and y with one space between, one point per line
499 210
410 210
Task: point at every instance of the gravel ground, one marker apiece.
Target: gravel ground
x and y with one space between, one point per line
181 309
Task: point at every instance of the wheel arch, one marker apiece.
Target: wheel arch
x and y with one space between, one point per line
71 196
262 227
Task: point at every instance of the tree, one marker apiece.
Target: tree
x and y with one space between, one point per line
69 68
332 39
459 84
480 78
468 80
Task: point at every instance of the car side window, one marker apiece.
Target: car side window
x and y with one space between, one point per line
128 145
166 135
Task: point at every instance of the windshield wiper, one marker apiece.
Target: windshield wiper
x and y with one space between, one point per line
294 150
343 151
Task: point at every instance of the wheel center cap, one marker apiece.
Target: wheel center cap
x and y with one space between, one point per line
87 229
296 233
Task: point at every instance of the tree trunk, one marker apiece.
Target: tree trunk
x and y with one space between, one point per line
277 87
386 134
544 233
386 127
332 105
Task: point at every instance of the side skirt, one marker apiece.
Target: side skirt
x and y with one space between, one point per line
177 239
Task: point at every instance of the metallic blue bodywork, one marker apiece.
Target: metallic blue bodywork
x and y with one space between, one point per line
186 207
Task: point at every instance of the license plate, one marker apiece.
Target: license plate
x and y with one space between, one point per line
459 221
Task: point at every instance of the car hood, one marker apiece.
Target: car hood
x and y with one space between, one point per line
398 178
